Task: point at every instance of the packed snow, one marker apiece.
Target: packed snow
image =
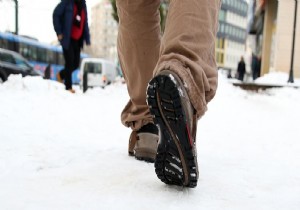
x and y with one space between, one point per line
69 151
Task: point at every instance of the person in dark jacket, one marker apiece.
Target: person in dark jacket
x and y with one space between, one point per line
70 21
241 69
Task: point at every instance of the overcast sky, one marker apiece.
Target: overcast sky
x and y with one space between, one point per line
35 17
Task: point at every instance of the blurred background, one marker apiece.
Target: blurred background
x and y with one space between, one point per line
264 32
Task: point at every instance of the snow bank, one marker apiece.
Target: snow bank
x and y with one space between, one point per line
32 84
277 78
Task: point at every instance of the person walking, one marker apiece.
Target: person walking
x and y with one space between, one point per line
253 67
170 80
241 69
70 21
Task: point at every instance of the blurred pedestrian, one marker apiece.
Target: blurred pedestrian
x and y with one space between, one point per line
47 73
229 76
70 20
241 69
258 67
255 66
182 68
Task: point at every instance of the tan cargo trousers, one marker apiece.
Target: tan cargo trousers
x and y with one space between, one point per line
187 48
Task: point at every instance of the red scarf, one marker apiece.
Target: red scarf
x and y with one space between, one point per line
78 31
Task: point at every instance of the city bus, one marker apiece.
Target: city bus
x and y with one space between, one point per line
39 55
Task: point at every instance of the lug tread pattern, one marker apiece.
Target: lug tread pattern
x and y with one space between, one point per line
168 165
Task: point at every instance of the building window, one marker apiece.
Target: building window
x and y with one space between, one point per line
222 58
222 15
226 29
220 43
221 28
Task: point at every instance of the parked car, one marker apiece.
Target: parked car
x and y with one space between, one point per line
97 72
13 63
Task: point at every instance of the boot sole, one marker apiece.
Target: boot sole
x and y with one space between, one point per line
145 156
175 163
148 160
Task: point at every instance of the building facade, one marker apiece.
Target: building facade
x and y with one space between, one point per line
232 33
104 30
273 26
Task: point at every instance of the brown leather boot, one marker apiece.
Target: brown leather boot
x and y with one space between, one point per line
58 77
169 103
71 90
143 143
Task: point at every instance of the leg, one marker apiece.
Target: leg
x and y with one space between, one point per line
77 50
188 48
185 81
69 60
76 62
138 49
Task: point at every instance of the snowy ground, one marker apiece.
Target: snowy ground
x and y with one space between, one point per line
60 151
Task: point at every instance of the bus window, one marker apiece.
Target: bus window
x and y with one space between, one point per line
41 55
10 45
3 43
61 60
33 53
24 50
50 58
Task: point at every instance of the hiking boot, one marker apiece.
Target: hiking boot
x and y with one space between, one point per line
176 160
58 77
71 90
143 143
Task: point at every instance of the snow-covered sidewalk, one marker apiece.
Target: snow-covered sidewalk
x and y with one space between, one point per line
60 151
